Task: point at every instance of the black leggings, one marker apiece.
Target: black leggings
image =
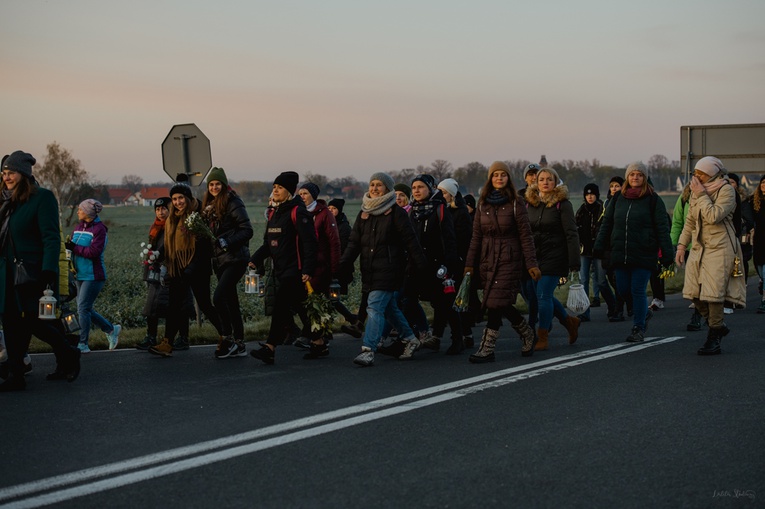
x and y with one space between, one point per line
494 320
226 299
289 295
176 312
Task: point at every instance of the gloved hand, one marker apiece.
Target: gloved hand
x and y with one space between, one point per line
48 278
535 273
69 245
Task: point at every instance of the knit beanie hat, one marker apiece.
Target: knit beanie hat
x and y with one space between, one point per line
426 179
20 162
636 166
498 166
219 175
709 165
312 188
338 203
735 178
450 186
162 202
592 188
91 207
385 179
181 188
533 167
403 188
617 179
288 180
470 201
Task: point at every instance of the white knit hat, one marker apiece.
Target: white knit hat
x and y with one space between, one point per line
709 165
450 186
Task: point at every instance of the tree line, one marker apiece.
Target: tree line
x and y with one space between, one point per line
65 177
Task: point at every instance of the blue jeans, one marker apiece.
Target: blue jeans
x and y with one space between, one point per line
382 305
87 291
634 281
593 266
529 294
548 304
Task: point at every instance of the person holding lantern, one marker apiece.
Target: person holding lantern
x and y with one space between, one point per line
225 213
87 244
713 266
29 234
290 241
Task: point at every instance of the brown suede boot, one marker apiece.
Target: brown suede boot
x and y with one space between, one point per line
572 326
541 339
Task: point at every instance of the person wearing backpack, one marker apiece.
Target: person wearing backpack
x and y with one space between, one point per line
635 228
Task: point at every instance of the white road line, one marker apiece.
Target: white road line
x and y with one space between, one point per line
230 450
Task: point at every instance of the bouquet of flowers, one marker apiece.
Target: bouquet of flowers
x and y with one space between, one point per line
147 255
196 225
319 309
462 299
668 272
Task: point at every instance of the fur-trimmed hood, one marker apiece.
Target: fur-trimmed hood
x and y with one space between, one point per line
558 194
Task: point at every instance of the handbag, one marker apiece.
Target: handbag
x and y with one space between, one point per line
26 273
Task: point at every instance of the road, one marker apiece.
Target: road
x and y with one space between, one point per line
602 423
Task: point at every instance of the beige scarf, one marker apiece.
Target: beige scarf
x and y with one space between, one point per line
179 243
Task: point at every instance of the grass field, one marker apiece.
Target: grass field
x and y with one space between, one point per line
124 294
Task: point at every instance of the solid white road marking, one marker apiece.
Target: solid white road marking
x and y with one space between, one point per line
230 449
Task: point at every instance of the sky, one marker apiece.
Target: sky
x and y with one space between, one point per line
341 88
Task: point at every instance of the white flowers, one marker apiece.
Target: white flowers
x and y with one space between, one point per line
147 255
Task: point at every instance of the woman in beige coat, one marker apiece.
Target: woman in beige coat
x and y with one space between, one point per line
710 277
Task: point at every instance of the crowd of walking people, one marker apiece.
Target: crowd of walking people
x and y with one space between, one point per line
413 242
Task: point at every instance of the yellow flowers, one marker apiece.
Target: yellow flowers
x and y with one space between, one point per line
667 272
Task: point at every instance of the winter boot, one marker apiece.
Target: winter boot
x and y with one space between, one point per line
571 323
712 344
485 351
528 337
695 323
456 347
541 339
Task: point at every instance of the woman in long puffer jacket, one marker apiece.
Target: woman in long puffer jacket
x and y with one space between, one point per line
557 248
227 216
502 247
711 276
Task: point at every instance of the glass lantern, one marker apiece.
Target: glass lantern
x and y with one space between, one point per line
70 321
47 307
334 291
252 282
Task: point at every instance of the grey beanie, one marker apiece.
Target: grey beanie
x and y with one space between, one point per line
385 179
91 207
710 165
636 166
20 162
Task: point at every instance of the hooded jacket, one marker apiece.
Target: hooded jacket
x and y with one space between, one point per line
554 227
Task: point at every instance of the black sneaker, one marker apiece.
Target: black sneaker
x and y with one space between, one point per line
227 348
636 336
302 342
617 317
241 350
181 343
148 342
264 354
353 329
316 351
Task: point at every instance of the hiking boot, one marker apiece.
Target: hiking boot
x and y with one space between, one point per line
485 352
411 346
695 323
241 349
355 329
164 349
181 343
365 358
317 350
148 341
227 348
114 337
264 354
636 336
429 341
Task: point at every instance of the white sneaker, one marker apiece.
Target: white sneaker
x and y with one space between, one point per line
411 346
365 358
728 311
657 304
114 337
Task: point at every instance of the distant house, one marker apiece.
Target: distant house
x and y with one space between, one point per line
354 192
148 195
121 196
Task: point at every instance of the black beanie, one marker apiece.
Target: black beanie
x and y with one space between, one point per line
591 188
164 201
616 179
470 201
338 203
183 189
20 162
426 179
312 188
288 180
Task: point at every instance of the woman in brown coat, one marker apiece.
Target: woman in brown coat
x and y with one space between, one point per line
503 247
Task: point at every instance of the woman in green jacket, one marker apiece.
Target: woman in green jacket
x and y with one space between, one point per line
29 231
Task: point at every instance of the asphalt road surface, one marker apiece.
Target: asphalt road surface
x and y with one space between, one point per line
602 423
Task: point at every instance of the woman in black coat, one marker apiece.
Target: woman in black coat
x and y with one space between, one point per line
290 242
227 216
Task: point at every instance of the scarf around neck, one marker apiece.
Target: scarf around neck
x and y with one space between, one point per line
179 243
497 197
156 229
379 205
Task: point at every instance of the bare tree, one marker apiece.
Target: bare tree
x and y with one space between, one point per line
61 173
319 180
132 182
472 176
440 170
